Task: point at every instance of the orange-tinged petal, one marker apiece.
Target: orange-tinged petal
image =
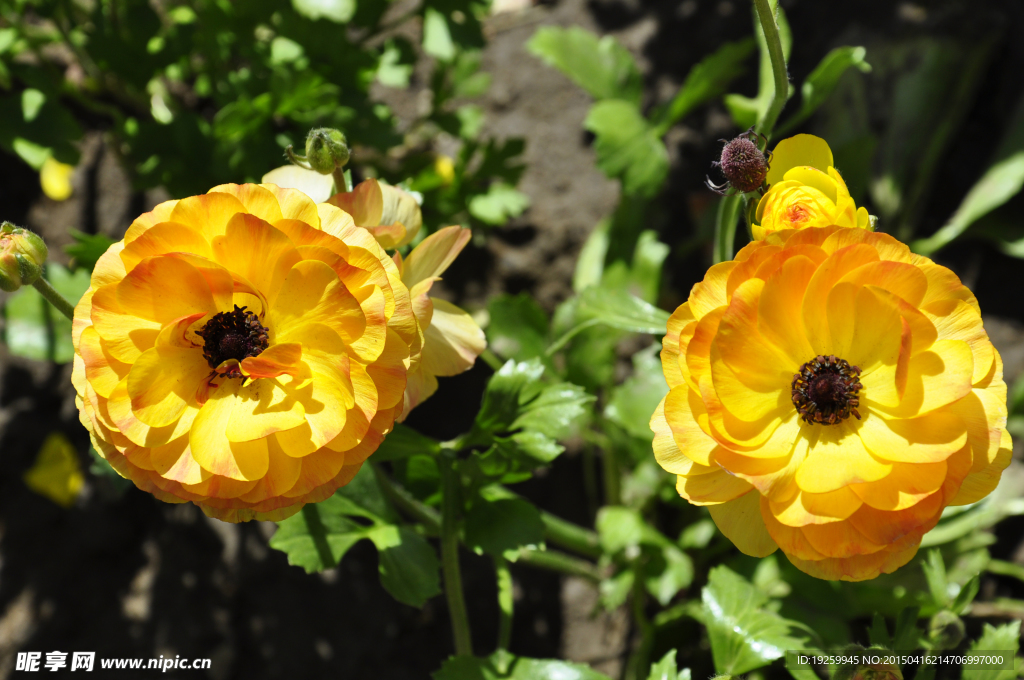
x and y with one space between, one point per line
957 320
748 402
979 484
101 369
452 342
807 508
698 350
434 255
208 214
907 485
125 336
899 278
710 294
755 362
681 327
174 461
937 377
244 460
815 303
257 200
163 238
147 291
740 521
163 381
866 329
311 293
279 359
778 314
683 408
267 405
365 203
257 251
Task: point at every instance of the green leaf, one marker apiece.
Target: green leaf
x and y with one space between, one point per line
404 442
500 528
627 146
1002 181
34 329
392 70
504 666
744 634
823 80
408 565
590 264
707 80
623 311
437 39
499 204
676 573
87 249
935 574
667 669
31 101
317 537
516 399
746 111
966 595
907 635
1002 638
601 66
633 402
363 497
619 528
339 11
878 633
518 327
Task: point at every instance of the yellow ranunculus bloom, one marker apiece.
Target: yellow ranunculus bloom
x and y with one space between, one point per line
831 393
805 191
245 350
451 339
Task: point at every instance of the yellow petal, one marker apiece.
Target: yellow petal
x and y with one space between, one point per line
815 303
163 381
806 508
209 214
907 485
162 289
257 200
310 182
709 294
279 359
837 458
239 460
813 177
927 439
715 487
778 314
256 251
452 342
798 150
267 405
312 294
434 255
365 203
936 377
740 521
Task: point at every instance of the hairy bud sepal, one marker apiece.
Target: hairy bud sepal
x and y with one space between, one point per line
22 256
946 630
743 164
326 150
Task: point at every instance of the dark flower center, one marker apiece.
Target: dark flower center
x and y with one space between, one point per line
233 335
826 390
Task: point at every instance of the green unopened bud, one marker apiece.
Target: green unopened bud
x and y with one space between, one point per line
22 255
326 150
946 630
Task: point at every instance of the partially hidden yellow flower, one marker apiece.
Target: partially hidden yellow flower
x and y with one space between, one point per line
392 215
55 179
831 393
804 190
245 350
451 338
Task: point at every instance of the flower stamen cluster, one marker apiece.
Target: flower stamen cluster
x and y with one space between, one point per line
826 390
233 335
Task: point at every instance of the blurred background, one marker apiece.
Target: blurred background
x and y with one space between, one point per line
108 107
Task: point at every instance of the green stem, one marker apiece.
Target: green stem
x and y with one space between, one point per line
492 359
505 602
725 227
561 532
54 298
778 59
407 503
553 560
639 660
450 557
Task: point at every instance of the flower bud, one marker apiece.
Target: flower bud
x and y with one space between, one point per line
946 630
743 164
326 150
22 255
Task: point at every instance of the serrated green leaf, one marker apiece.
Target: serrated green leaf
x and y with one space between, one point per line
707 80
633 402
621 310
499 204
404 442
537 446
500 528
554 411
338 11
601 66
676 573
504 666
668 669
518 327
87 249
407 563
744 634
318 536
627 147
996 638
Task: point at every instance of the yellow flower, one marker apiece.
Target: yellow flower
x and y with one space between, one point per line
393 216
55 178
831 393
245 350
451 340
805 191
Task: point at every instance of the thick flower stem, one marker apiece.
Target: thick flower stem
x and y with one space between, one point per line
407 503
450 557
639 660
54 298
505 602
778 59
725 227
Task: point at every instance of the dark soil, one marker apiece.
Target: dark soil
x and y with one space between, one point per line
132 577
